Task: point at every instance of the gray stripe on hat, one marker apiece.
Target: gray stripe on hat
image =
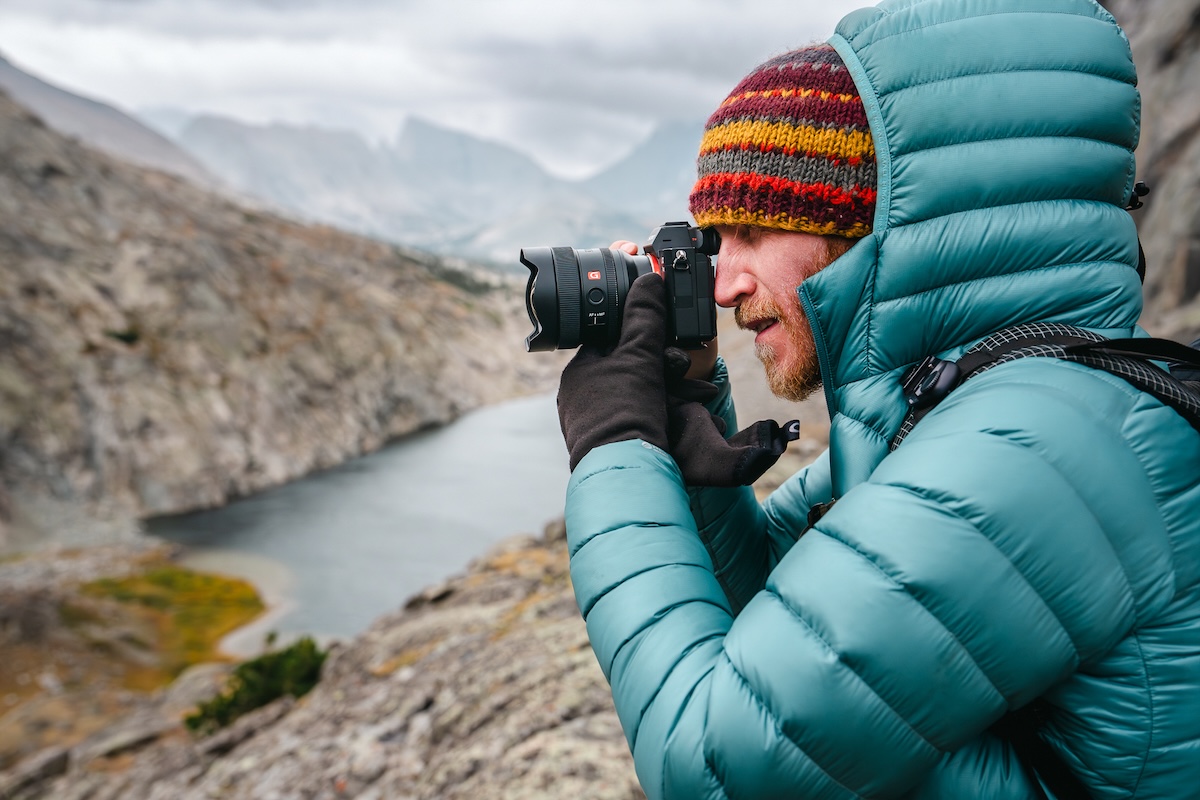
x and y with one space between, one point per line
799 167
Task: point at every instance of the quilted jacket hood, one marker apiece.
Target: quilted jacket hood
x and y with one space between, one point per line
1004 134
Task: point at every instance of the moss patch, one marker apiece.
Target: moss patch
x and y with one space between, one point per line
96 648
190 612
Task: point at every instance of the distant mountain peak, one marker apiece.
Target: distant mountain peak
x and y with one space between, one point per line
419 132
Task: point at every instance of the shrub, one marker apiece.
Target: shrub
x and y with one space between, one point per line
129 336
294 670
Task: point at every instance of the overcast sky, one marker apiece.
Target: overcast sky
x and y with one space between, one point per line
574 83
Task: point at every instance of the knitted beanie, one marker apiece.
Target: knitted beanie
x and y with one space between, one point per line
790 149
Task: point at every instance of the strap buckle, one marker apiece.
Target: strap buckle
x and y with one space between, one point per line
929 381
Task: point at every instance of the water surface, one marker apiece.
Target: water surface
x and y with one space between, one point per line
354 542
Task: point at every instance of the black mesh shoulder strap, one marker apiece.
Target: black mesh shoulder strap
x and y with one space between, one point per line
930 381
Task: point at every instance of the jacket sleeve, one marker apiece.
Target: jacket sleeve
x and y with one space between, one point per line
746 541
975 569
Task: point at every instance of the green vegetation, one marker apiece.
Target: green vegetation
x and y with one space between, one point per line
189 612
129 336
291 671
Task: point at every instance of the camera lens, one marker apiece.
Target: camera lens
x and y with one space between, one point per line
577 297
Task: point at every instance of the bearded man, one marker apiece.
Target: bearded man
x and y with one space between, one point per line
937 172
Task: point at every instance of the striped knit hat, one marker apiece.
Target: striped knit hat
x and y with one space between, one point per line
790 149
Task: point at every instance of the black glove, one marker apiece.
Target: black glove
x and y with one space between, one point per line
622 395
695 437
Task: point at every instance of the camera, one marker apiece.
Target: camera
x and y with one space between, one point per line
577 297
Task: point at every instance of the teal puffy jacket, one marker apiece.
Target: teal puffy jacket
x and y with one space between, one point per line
1038 534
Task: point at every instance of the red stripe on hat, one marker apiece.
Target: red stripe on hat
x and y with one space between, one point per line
758 182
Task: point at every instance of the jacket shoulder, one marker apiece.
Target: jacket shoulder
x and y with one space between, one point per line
1060 450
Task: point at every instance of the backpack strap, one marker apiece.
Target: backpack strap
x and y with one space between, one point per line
930 381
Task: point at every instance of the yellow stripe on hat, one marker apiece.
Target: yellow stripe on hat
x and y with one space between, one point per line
787 137
781 221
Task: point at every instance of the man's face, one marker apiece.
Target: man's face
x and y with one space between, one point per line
758 270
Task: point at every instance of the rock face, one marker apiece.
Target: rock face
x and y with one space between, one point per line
1165 37
484 686
164 349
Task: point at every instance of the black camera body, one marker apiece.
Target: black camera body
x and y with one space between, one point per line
577 297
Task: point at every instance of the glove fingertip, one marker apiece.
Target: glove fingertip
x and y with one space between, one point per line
676 363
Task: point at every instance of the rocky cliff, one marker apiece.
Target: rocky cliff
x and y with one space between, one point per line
164 349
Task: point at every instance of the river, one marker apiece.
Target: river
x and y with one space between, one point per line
333 551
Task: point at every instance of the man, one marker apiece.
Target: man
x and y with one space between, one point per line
1035 537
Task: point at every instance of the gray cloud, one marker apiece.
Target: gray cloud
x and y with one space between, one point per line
572 82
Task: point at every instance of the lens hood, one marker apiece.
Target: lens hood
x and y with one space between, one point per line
541 299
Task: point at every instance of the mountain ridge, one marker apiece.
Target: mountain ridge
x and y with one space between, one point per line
434 187
448 191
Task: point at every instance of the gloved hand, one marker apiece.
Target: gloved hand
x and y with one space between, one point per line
638 391
622 395
695 437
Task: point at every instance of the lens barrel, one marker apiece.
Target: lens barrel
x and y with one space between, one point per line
577 297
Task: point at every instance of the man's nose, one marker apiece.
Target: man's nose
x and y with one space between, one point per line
733 282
